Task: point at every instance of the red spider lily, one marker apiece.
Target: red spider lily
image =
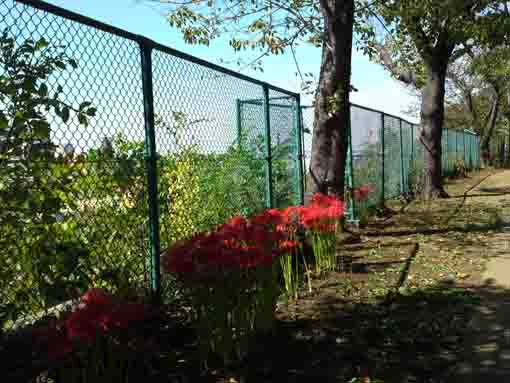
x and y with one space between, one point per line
179 258
240 243
288 246
52 342
100 313
85 325
245 243
270 217
96 297
362 192
121 315
322 209
323 200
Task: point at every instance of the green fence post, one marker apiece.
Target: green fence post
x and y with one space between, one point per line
239 123
456 146
447 166
350 177
464 148
412 145
382 161
402 175
151 163
299 159
269 165
303 151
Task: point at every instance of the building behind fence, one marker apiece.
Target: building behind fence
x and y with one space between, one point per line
131 146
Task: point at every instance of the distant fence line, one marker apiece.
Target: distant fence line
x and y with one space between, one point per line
386 154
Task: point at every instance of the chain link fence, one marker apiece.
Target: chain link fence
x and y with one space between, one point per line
113 147
387 155
499 151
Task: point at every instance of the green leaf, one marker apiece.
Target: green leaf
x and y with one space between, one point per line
41 129
91 112
65 114
60 64
73 63
41 44
4 124
82 119
84 105
43 90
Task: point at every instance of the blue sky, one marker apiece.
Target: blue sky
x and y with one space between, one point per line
376 88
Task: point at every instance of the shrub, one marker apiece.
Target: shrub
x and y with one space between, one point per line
40 258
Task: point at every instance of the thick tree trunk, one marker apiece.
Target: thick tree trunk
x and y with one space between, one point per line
332 109
432 117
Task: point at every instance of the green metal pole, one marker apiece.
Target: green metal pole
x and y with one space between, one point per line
269 165
299 143
464 148
412 145
447 154
456 146
238 123
402 174
350 179
151 163
382 161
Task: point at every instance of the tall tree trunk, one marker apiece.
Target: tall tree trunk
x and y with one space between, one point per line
490 126
332 108
432 118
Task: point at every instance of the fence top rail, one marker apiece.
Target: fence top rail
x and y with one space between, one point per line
466 131
375 111
145 41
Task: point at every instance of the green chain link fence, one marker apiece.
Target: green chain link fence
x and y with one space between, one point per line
498 155
385 154
112 147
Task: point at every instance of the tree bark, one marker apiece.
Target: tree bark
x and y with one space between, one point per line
332 108
490 126
432 118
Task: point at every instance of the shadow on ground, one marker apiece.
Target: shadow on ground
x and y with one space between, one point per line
414 337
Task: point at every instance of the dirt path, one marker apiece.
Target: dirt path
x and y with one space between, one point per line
487 355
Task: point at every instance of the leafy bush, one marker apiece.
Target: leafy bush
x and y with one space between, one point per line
40 258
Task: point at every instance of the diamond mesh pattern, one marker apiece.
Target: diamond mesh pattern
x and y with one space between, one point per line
92 182
284 150
392 156
367 151
402 155
80 218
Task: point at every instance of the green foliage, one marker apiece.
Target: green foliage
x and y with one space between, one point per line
418 33
270 27
41 261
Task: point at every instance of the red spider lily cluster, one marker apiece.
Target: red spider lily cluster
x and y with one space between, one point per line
247 243
98 313
361 193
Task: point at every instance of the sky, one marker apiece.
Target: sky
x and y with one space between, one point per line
376 89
